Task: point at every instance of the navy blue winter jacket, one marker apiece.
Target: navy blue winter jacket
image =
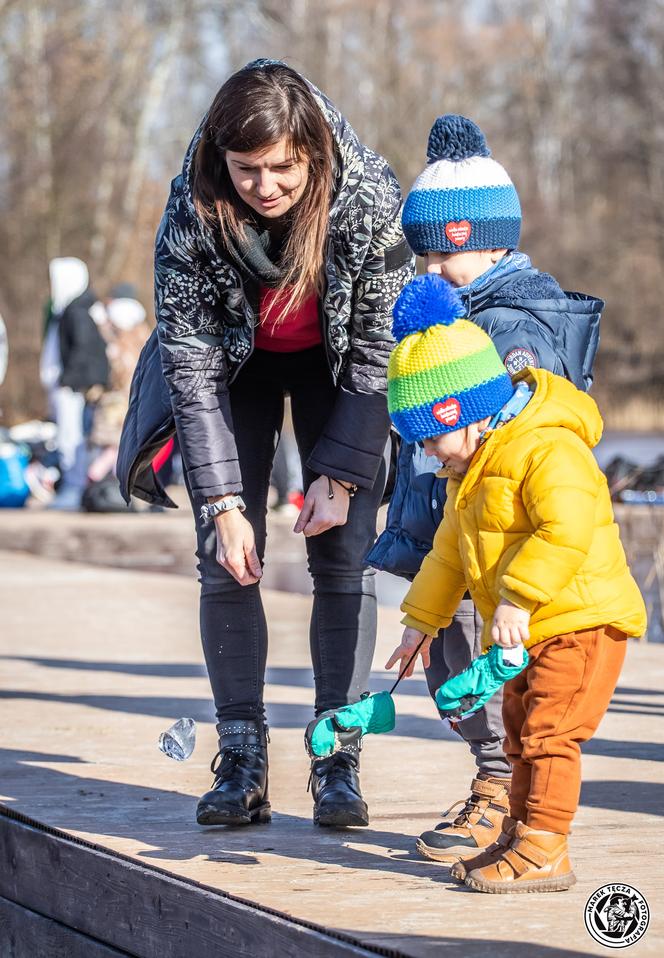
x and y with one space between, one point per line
532 322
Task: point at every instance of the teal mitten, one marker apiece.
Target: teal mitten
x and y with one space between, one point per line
467 692
337 728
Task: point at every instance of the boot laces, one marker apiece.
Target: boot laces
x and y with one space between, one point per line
470 805
225 762
337 767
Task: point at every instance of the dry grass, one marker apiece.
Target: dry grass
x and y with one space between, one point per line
636 414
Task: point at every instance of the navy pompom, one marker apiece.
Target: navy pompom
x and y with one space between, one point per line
426 301
454 137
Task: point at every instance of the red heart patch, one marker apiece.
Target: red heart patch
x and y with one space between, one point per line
448 412
458 233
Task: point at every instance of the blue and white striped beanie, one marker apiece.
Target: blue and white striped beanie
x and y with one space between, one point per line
462 200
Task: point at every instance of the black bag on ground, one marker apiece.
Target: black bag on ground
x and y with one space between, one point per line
105 496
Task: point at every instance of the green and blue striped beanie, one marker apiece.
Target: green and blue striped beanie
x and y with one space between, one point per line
445 372
463 199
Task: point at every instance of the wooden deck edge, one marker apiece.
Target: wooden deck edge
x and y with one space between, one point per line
138 909
26 934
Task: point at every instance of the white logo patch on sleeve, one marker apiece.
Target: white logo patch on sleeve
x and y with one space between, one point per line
517 359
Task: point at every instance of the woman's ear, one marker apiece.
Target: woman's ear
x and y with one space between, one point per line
475 429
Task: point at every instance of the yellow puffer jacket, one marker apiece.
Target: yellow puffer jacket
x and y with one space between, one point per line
532 522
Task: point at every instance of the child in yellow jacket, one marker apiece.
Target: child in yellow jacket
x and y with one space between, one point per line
529 530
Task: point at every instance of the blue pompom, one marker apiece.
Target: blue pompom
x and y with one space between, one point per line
426 301
454 137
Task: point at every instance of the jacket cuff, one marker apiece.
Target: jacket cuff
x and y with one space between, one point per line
216 479
353 443
412 623
520 601
339 461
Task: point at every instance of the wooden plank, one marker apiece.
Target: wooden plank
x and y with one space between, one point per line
25 934
144 910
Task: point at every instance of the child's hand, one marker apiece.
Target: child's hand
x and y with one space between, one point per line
410 639
510 625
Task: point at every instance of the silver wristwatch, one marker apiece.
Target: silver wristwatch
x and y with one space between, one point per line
211 509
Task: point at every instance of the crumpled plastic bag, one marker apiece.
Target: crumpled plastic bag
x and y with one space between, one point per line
179 741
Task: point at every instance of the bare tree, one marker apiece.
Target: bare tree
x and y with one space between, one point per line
101 101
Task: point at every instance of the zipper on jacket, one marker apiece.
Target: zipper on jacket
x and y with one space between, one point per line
327 346
324 330
254 303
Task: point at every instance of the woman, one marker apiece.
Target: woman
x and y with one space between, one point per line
278 260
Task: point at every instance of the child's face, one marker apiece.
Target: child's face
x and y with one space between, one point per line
462 268
456 449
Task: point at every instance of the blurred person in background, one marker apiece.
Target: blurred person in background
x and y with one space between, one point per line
125 332
278 260
4 351
74 370
14 489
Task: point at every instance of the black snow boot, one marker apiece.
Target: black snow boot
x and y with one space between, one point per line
335 786
239 793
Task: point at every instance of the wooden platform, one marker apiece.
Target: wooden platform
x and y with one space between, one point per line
95 662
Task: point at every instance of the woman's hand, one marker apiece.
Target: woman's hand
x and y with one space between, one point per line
410 639
320 513
236 547
510 625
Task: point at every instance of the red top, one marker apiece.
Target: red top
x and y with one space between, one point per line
299 329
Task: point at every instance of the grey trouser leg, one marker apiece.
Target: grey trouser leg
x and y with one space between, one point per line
451 652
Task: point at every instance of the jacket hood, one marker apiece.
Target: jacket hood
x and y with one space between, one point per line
534 292
69 279
349 150
556 402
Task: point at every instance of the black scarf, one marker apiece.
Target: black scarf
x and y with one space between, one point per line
256 255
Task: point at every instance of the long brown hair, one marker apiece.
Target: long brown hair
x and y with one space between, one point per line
255 108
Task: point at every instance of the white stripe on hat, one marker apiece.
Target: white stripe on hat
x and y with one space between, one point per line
476 171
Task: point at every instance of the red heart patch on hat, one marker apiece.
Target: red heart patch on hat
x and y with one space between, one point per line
458 233
448 412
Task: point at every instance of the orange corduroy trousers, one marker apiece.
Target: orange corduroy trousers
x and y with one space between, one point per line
556 703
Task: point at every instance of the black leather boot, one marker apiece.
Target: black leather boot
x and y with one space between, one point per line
335 786
239 793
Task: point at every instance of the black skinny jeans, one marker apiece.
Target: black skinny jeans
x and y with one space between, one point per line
343 623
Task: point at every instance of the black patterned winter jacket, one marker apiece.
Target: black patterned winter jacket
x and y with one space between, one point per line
206 320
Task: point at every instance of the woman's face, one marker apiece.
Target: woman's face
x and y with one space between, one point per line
270 180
